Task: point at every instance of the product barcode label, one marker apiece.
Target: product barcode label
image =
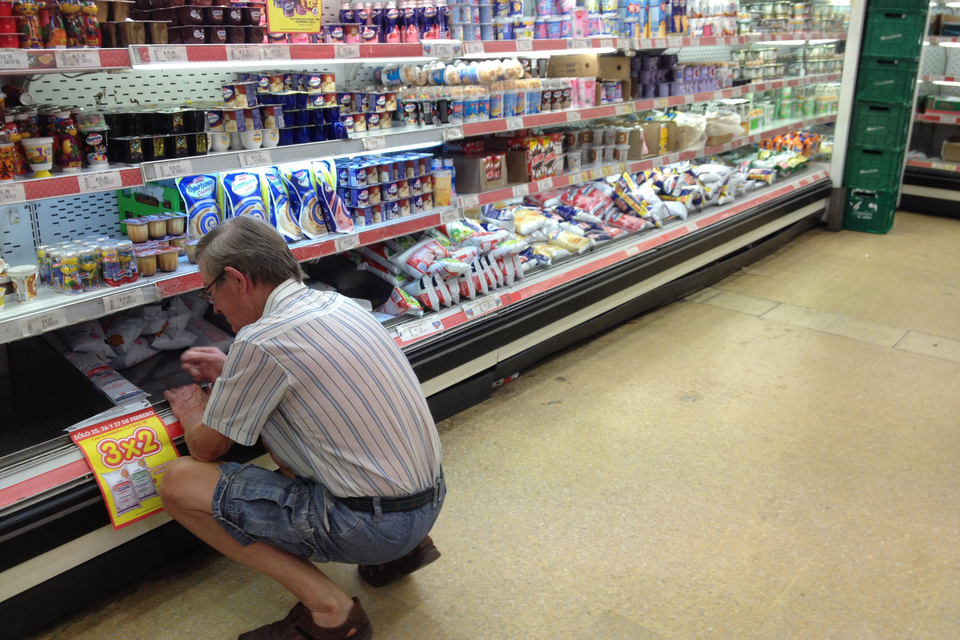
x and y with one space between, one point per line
453 133
477 47
439 49
418 329
12 193
578 43
274 51
78 59
632 251
243 52
449 215
471 200
514 123
346 50
166 53
100 181
525 44
173 169
345 243
123 300
573 116
374 143
13 59
42 323
674 43
258 158
521 190
481 306
606 43
545 185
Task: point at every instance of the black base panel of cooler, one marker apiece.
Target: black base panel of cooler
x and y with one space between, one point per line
80 510
934 206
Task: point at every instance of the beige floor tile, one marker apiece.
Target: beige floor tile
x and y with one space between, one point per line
930 346
802 317
866 331
704 294
742 304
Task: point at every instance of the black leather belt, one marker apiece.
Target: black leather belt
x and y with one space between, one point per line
404 503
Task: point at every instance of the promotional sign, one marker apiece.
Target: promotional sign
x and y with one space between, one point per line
293 16
127 454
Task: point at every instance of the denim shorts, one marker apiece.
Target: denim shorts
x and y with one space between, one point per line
256 505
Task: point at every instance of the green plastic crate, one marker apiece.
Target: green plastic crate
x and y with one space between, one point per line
873 169
133 204
875 124
912 6
886 80
894 34
870 211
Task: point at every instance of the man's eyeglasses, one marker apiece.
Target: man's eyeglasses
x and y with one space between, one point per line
205 295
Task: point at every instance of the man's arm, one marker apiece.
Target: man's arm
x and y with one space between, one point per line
188 403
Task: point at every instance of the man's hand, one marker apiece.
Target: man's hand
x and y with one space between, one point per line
185 400
205 364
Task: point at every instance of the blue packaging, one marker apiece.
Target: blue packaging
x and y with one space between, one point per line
391 210
359 197
274 194
316 133
304 202
199 195
240 195
356 177
389 191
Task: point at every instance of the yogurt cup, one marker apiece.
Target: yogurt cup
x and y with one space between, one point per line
24 281
572 160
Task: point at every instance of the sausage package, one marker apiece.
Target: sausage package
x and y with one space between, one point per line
240 195
199 195
276 198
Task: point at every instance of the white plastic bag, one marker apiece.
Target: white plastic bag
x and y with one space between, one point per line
691 131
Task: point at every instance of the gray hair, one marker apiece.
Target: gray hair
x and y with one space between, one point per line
252 247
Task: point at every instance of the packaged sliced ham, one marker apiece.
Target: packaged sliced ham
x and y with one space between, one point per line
400 303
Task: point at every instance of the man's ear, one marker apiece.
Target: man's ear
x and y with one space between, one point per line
246 284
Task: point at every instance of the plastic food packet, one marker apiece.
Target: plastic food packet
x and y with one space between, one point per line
573 214
304 201
459 231
121 331
174 334
199 195
400 303
762 175
628 222
676 208
543 200
138 351
104 377
275 196
396 279
570 241
382 255
502 216
552 252
530 259
416 260
528 220
331 204
209 335
87 337
448 268
431 292
240 195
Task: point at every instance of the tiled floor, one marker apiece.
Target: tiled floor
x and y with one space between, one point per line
777 457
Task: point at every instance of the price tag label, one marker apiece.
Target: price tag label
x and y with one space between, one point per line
673 158
123 300
77 59
609 171
258 158
453 133
42 323
274 52
173 169
439 50
674 43
624 109
545 185
607 43
521 190
573 116
660 44
100 181
374 143
724 40
514 123
346 50
477 47
13 59
12 193
243 52
943 167
632 251
168 53
578 43
449 215
419 329
661 103
481 306
718 95
345 243
468 201
525 44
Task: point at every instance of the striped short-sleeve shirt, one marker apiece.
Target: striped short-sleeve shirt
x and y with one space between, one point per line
330 393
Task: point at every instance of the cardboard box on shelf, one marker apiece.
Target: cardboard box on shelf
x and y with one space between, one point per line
626 87
942 105
661 138
951 149
531 158
587 65
479 173
949 26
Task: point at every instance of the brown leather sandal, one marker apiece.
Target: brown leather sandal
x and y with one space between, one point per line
298 625
379 575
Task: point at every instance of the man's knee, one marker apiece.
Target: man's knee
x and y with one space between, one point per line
182 484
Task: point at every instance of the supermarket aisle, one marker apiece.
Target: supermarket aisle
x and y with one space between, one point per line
776 457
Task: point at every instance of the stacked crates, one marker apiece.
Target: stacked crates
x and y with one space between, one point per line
882 112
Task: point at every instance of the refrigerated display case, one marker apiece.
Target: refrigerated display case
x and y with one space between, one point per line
57 548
